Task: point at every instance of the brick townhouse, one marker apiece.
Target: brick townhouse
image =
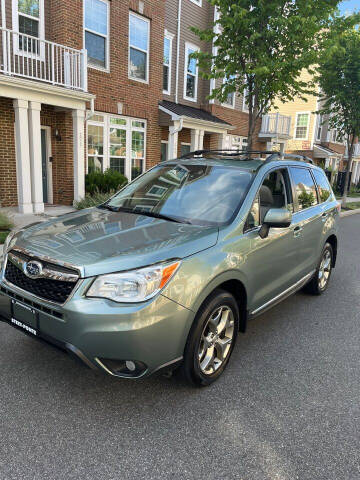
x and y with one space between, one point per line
311 135
97 84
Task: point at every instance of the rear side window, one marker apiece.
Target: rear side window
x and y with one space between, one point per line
305 190
324 188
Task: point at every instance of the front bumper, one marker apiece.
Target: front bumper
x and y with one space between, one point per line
152 333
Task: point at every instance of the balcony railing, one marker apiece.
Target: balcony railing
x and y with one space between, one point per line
275 124
37 59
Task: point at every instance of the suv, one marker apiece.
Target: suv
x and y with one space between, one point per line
167 272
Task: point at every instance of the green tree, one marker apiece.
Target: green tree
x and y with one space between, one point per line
339 81
261 47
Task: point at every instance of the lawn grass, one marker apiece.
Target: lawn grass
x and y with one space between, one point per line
5 222
351 206
3 236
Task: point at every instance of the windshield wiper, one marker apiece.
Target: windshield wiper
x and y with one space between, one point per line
162 216
140 212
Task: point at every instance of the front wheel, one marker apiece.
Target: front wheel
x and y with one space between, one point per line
320 281
211 339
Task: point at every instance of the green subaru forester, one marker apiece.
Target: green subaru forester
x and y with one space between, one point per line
165 274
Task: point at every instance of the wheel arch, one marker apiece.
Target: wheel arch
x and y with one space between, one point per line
230 282
332 239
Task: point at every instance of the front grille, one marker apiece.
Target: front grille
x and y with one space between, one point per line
53 290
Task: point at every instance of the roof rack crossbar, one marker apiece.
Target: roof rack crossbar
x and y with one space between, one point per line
273 156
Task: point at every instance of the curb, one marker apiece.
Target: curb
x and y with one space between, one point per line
349 212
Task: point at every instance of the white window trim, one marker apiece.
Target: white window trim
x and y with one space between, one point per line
106 140
191 46
170 37
319 126
307 127
228 105
147 51
15 26
107 39
197 2
245 106
166 142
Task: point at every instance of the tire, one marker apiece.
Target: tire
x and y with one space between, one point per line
219 309
320 281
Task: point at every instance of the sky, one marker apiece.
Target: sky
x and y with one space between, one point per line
348 6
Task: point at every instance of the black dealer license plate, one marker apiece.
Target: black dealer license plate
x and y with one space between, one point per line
24 317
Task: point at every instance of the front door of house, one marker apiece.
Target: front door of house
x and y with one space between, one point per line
44 163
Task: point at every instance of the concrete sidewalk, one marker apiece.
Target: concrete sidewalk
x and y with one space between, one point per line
20 220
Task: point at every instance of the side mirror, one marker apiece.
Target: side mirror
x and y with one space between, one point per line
275 218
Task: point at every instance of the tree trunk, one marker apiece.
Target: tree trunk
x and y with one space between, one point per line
251 130
347 175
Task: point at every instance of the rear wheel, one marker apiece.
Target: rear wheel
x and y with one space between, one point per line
320 281
211 339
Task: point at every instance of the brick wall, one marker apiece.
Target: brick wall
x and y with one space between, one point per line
8 188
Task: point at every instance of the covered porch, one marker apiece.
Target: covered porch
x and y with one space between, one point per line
188 129
46 126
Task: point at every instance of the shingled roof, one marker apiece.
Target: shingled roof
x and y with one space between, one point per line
191 112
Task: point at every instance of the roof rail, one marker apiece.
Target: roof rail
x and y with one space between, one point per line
225 151
273 156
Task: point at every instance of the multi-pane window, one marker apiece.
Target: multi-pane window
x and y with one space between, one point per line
139 34
96 143
118 143
167 64
164 151
304 187
319 127
302 126
96 19
29 20
230 99
191 73
137 148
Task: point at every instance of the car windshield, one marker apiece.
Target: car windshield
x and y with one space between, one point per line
189 193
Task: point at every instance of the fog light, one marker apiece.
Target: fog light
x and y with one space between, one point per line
122 368
130 365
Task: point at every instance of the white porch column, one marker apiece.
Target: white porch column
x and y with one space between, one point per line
201 140
354 171
22 156
173 141
222 141
194 139
79 153
35 156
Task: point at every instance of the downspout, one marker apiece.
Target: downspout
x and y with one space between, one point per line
177 50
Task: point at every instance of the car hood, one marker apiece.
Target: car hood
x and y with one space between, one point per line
98 241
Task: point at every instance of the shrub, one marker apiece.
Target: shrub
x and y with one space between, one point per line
5 222
98 182
93 200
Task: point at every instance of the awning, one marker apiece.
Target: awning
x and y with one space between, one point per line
324 152
192 117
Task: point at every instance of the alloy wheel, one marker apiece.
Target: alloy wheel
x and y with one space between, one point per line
324 270
216 340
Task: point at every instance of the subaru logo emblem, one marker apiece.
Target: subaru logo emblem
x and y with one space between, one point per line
33 269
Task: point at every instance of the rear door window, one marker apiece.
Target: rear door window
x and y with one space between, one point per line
305 190
323 185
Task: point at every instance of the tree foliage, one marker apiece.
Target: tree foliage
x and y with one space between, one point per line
262 46
339 81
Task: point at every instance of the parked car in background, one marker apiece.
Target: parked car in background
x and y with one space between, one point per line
167 272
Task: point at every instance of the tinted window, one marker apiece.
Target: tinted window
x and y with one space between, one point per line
304 186
323 185
199 194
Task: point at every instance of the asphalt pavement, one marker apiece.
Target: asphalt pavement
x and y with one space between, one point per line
287 407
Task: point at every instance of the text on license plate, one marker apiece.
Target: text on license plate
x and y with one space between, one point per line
23 326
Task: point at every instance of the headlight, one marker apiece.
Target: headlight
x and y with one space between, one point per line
135 285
